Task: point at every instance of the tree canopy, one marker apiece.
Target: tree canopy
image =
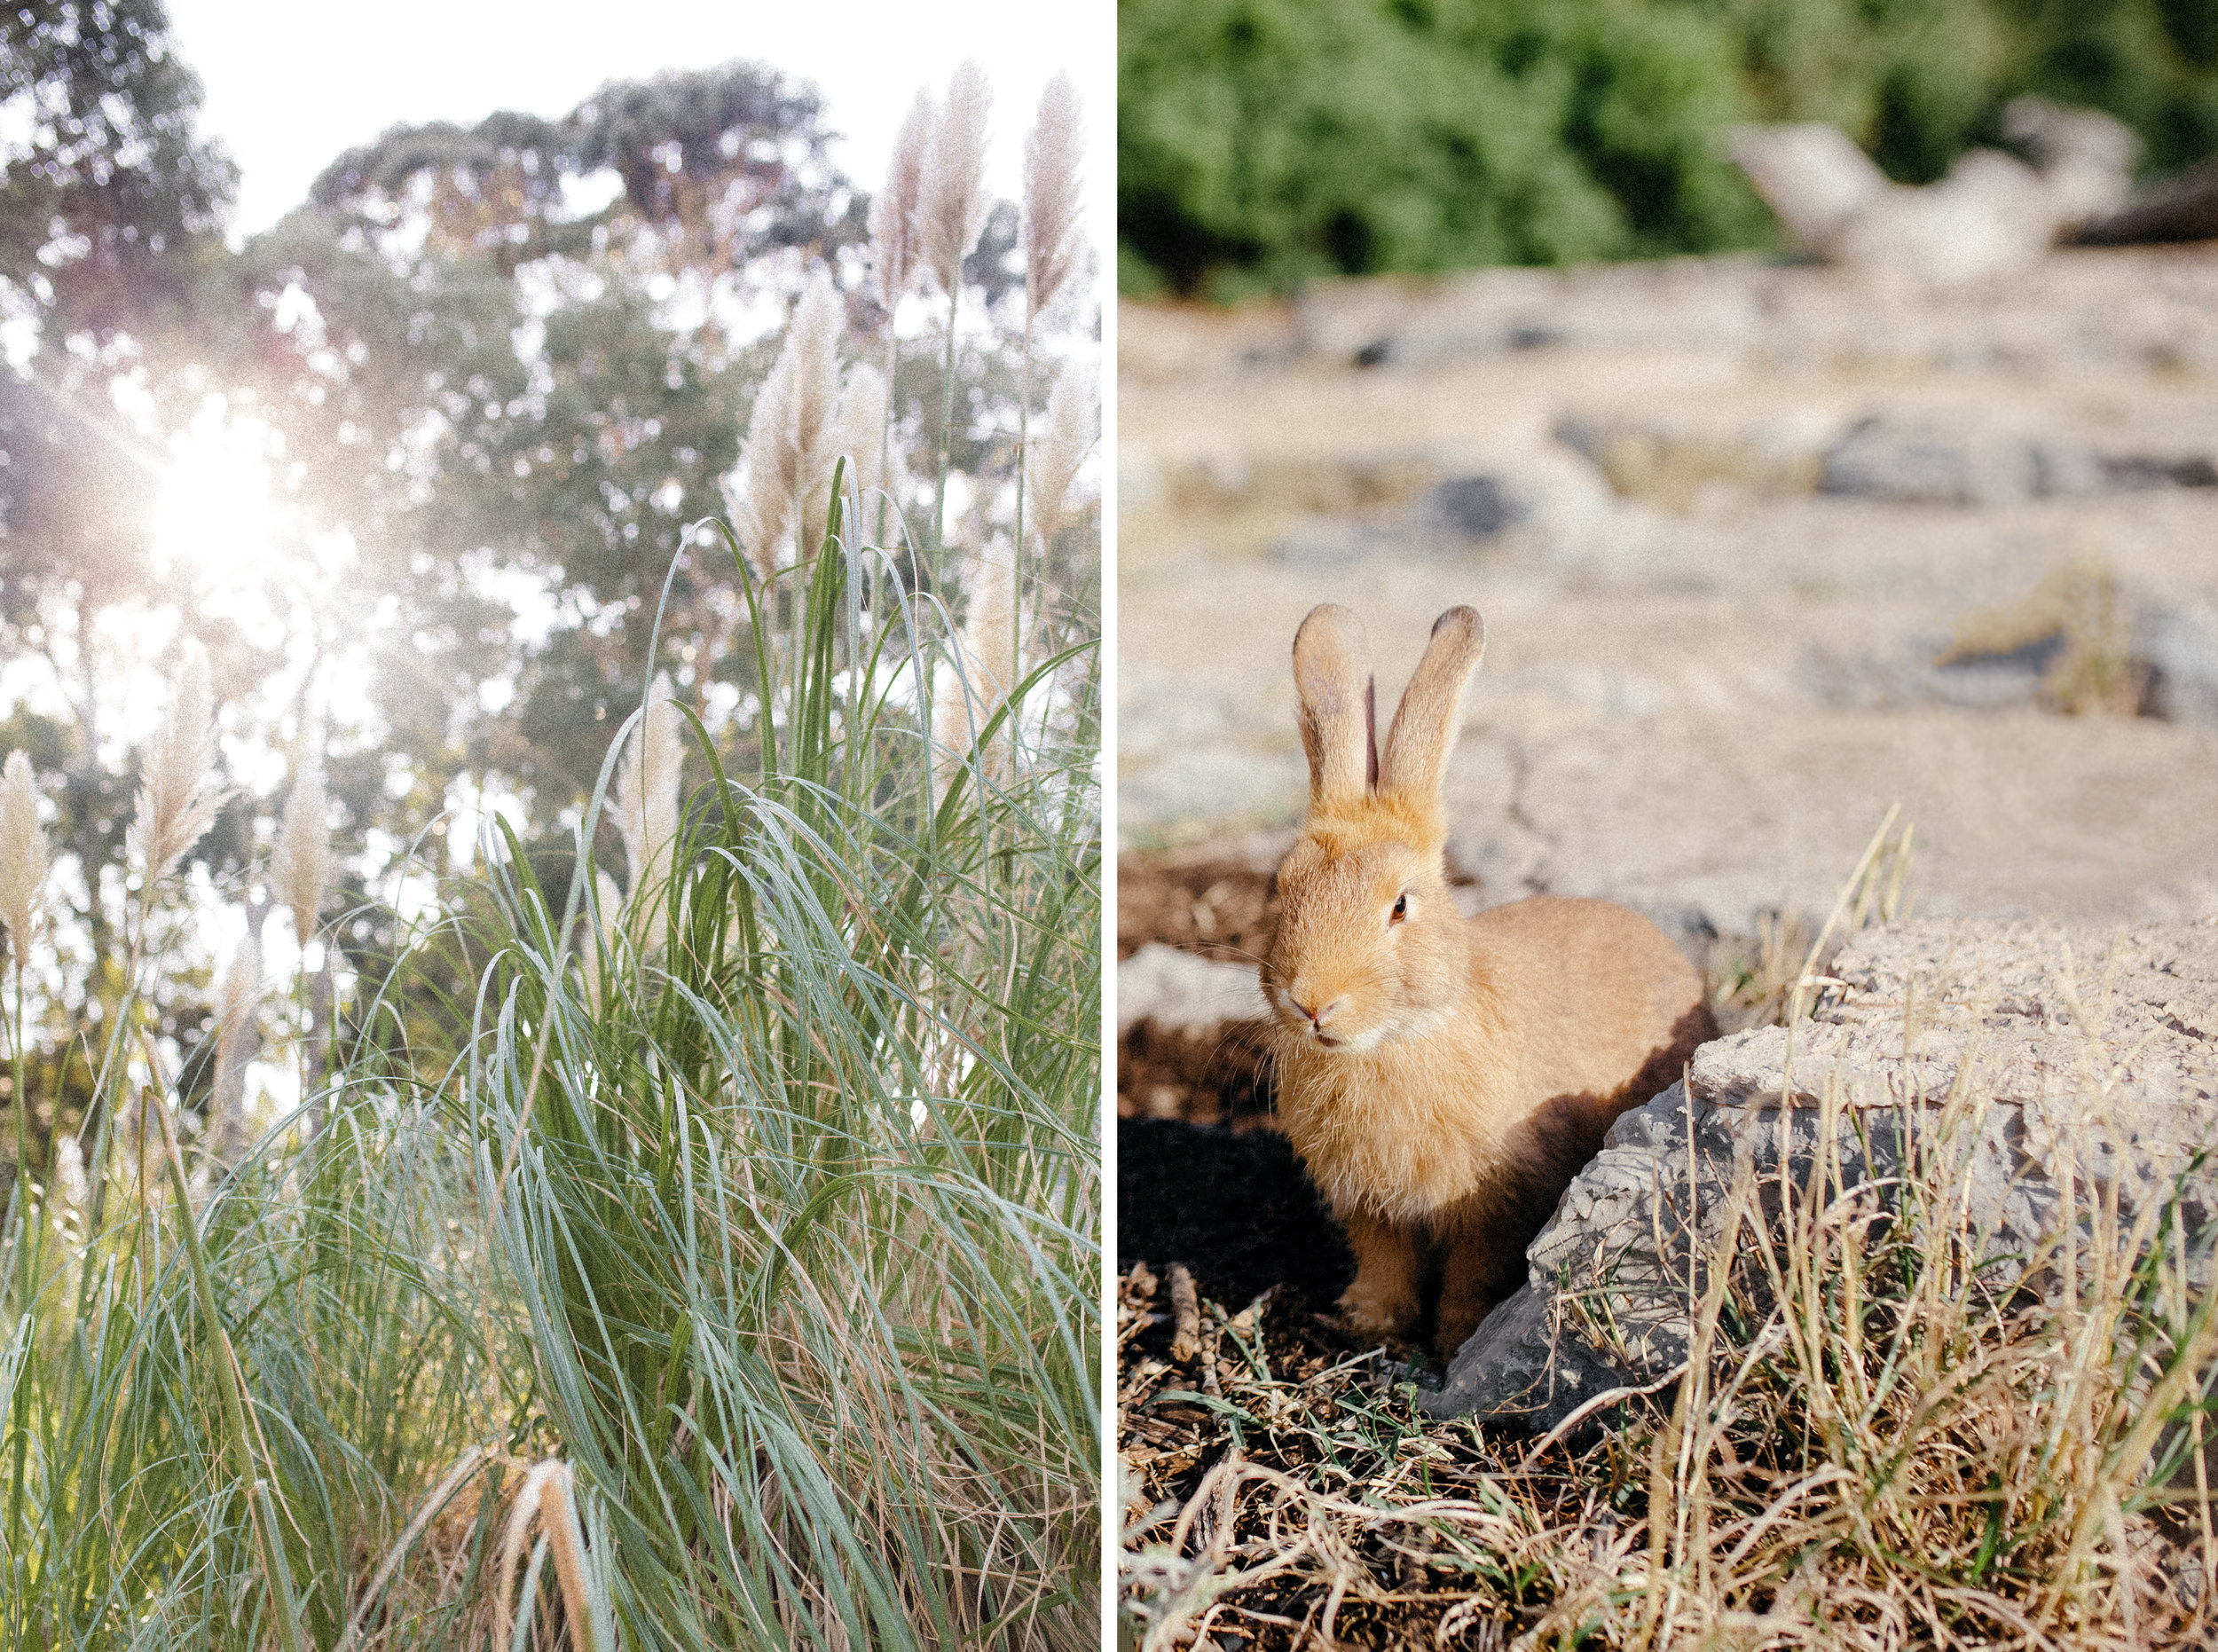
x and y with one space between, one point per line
1261 142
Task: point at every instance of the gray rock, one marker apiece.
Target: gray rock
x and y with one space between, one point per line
1181 992
1915 463
2048 1058
2178 641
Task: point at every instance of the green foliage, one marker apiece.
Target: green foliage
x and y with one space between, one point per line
1263 142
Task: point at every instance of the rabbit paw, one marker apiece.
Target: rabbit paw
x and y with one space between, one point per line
1369 1309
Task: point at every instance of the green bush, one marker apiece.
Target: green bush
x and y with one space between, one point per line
1263 142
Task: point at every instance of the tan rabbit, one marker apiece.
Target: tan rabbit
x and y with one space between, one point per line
1444 1077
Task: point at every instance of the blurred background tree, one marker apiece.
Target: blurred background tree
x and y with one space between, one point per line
1263 142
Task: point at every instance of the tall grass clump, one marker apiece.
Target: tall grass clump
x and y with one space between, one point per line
686 1237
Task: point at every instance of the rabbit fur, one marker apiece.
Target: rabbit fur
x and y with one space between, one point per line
1443 1077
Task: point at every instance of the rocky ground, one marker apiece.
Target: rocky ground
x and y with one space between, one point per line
1761 550
1765 553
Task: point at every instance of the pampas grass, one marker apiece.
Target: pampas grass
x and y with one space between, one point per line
952 203
950 212
646 807
764 1262
301 865
1062 449
176 803
237 1041
1051 197
894 250
23 860
860 425
986 668
783 482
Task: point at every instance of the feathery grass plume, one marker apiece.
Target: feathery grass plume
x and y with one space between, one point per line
301 861
893 250
951 209
1060 451
175 804
238 1039
860 428
1051 206
647 808
22 853
547 1499
601 930
986 666
784 475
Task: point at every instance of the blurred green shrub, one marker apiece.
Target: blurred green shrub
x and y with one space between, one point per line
1262 142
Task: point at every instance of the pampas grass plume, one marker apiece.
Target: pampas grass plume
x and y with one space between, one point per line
1051 152
1060 451
952 208
238 1036
301 862
894 214
783 482
985 669
176 804
647 806
860 426
22 852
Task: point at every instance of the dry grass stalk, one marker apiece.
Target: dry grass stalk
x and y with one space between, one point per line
951 210
547 1499
301 861
894 214
176 804
1060 449
783 482
985 668
1051 196
646 804
23 860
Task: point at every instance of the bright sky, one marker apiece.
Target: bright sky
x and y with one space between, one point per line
289 86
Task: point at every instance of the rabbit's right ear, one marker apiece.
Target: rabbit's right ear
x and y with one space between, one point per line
1424 731
1332 675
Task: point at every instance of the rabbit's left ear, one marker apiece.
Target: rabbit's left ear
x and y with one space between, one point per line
1424 731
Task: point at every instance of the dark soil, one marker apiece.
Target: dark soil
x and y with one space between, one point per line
1235 1206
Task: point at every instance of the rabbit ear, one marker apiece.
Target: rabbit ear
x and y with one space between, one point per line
1332 674
1424 729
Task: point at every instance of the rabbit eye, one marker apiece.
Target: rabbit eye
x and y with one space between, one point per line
1400 908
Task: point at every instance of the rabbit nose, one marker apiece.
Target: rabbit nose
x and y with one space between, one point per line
1323 1012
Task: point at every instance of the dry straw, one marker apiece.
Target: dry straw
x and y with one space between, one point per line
175 804
647 806
22 853
1051 200
952 208
784 484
